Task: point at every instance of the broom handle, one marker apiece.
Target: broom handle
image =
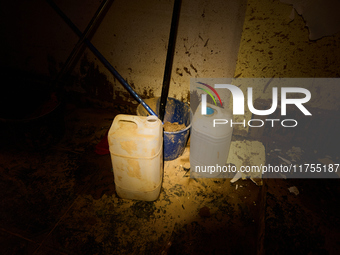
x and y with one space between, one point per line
169 58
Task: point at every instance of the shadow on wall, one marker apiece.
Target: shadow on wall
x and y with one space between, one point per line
31 114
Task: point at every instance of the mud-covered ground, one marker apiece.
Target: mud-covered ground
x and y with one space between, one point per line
62 200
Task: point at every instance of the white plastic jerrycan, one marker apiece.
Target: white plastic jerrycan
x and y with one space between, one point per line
209 145
136 148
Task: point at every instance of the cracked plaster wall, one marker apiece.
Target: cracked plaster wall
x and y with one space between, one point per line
273 45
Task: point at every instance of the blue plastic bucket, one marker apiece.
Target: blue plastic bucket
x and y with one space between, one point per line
175 111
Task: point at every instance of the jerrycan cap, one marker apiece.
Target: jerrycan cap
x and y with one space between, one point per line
151 120
210 111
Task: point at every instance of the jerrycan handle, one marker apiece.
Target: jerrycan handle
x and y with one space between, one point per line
127 118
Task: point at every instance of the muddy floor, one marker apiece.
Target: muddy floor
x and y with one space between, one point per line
61 200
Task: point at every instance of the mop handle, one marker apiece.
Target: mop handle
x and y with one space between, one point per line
169 58
101 58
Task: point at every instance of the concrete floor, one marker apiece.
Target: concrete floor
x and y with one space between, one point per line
61 199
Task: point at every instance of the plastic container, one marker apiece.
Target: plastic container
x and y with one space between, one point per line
209 146
136 148
175 111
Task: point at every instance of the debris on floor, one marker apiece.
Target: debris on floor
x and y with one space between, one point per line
294 153
248 157
294 190
284 160
71 207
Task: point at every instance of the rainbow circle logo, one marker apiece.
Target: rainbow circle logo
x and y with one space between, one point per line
208 92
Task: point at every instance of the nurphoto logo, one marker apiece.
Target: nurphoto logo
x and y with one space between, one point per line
238 106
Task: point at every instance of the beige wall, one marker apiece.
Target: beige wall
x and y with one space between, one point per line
133 37
274 46
134 34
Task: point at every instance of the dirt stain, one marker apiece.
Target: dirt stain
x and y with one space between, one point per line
129 146
134 168
187 70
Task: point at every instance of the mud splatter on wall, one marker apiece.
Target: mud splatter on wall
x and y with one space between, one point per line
274 46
